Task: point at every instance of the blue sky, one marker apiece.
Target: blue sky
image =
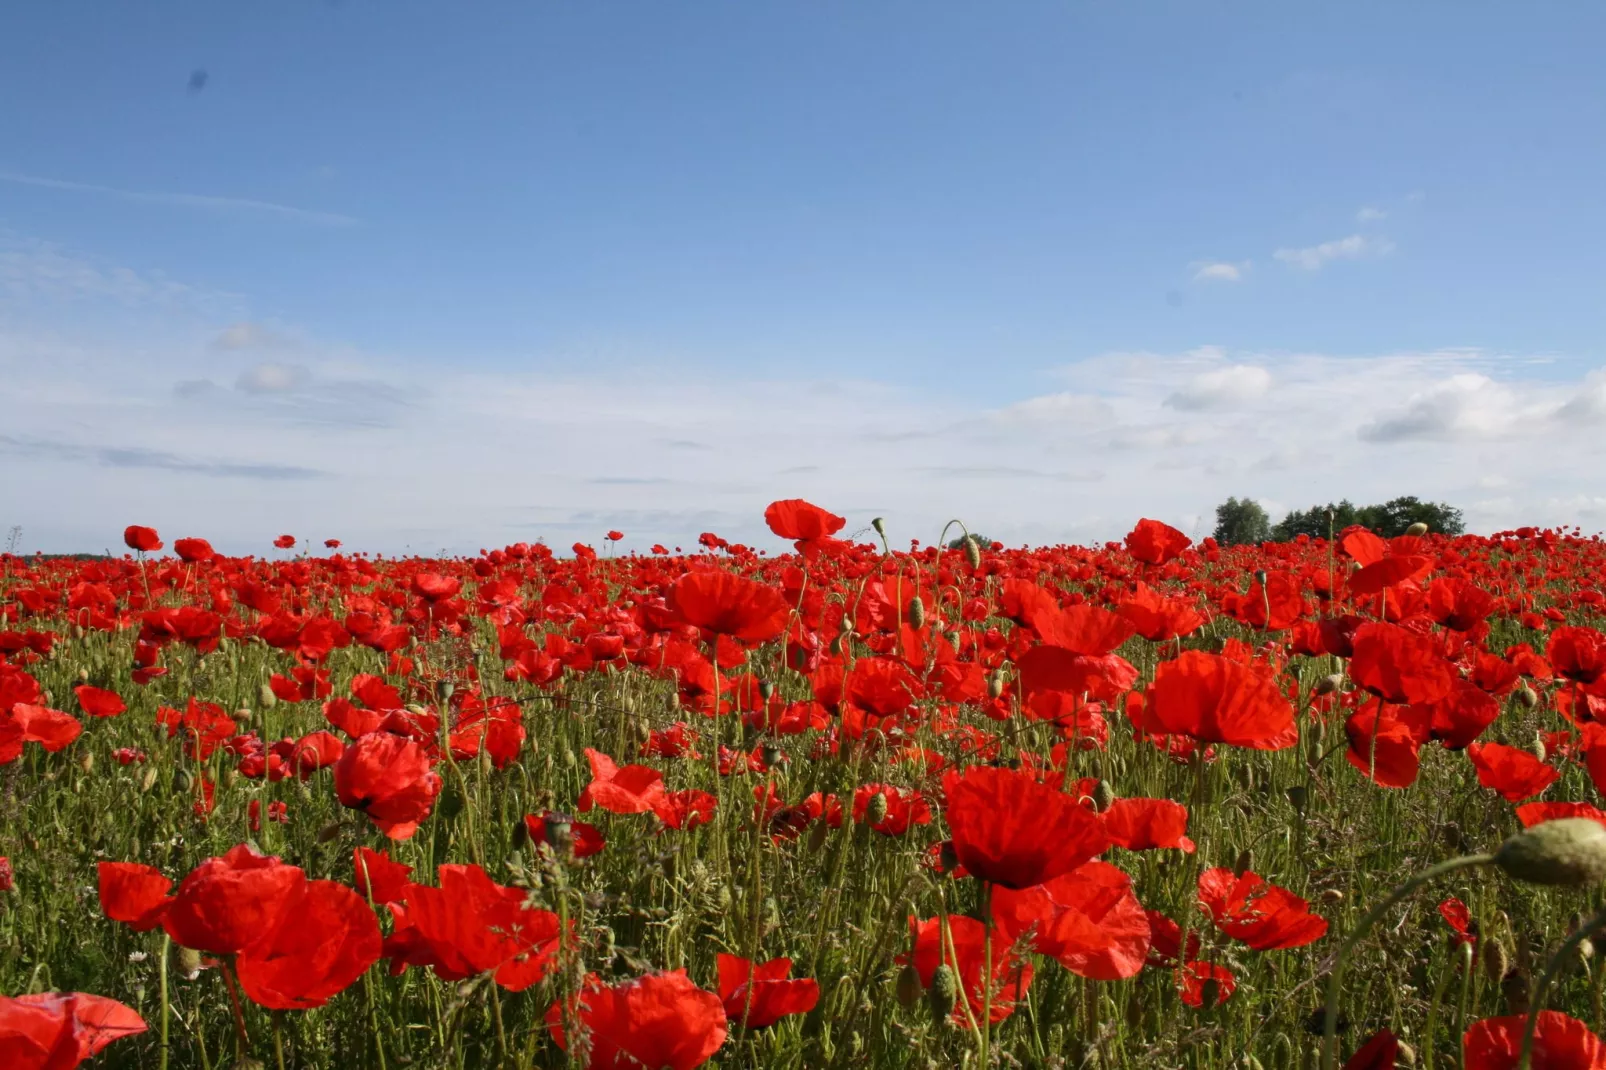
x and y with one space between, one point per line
572 267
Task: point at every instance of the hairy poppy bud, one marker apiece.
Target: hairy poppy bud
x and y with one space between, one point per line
83 675
189 962
1329 684
1244 864
875 811
266 698
908 986
148 781
817 835
87 762
1570 851
1418 528
1331 897
1525 697
765 690
772 755
917 613
1103 796
943 993
973 551
995 684
1537 747
243 715
1405 1055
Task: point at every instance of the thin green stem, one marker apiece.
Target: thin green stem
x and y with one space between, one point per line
1552 967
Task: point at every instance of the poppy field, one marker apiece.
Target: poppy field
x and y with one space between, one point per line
876 804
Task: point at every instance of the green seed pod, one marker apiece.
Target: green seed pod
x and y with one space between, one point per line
1525 697
766 690
943 993
875 811
183 781
1418 528
1103 796
265 697
1570 851
880 526
917 613
908 987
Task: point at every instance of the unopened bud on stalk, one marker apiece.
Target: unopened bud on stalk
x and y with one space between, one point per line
266 698
1570 851
1260 576
943 993
973 551
87 762
880 527
765 690
995 684
243 715
1244 864
1525 697
1418 528
1331 897
1103 796
875 811
331 830
1537 747
917 613
559 833
1405 1055
817 834
83 675
1329 684
183 781
148 781
908 986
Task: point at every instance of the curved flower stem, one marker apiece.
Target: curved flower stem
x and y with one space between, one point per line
1336 981
1552 967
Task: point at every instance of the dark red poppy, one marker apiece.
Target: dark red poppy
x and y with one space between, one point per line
144 540
1155 543
58 1031
727 604
1218 700
226 904
1087 920
1511 771
763 994
685 809
1246 907
1010 830
133 894
964 950
1578 653
387 777
660 1020
1560 1043
326 938
1380 1052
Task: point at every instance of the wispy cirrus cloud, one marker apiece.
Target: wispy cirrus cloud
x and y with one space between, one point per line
206 202
1316 257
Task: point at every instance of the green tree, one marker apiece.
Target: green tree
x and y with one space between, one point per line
1317 521
1241 521
1388 519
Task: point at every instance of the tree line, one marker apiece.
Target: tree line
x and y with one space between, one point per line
1241 521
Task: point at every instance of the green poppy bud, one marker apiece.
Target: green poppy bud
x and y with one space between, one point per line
875 811
943 994
1570 851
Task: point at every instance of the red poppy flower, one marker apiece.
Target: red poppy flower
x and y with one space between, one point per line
472 925
193 551
586 839
144 540
1380 1052
1156 617
326 938
795 518
1398 665
905 807
1146 824
1260 914
1511 771
58 1031
26 723
965 952
615 536
284 542
1578 653
1458 917
765 993
1385 742
1462 716
660 1020
387 777
685 809
632 789
99 703
1087 920
1560 1043
1197 980
133 894
1010 830
226 904
727 604
1389 572
1217 700
1536 813
1155 543
7 881
377 878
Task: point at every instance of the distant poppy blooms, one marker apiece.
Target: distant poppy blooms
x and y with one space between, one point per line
1458 917
585 838
1560 1043
144 540
285 542
660 1020
1202 983
762 994
1010 830
631 789
471 925
615 536
1147 824
1217 700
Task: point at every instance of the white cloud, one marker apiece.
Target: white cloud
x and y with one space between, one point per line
1354 247
1369 214
1222 388
270 378
1219 271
